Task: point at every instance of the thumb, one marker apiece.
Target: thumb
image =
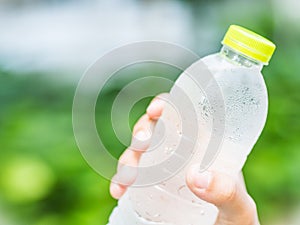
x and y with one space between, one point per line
234 204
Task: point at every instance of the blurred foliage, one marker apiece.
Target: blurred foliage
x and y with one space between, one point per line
45 181
272 170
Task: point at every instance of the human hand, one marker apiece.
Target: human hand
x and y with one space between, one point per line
227 193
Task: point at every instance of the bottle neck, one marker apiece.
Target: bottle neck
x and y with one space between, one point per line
240 59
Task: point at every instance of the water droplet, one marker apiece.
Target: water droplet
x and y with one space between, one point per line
202 100
155 215
181 190
163 183
202 212
168 150
138 203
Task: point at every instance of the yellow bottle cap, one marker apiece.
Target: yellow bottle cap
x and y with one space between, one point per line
249 43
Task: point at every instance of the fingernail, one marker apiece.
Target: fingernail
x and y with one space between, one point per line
115 191
158 103
126 175
142 135
140 140
201 180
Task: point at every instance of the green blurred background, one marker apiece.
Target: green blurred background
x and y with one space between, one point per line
45 47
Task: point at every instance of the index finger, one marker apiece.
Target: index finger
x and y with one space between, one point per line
156 106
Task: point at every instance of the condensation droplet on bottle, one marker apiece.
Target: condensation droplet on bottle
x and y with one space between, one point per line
201 102
168 150
138 203
163 183
153 162
165 170
180 189
154 215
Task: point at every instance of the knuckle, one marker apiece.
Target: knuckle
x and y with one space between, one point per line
140 123
229 193
123 159
248 212
251 211
127 159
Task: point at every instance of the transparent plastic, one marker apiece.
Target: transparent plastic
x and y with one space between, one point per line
245 96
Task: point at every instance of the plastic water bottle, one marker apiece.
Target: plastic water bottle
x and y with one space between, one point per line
236 70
